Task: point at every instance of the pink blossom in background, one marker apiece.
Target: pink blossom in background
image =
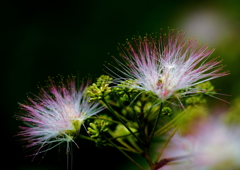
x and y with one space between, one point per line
56 115
214 146
166 64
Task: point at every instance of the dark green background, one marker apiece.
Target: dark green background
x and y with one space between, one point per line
47 38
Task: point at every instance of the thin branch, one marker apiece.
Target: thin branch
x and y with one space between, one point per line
110 108
156 122
165 144
124 153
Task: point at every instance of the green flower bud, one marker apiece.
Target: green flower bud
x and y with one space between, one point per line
97 128
166 111
99 89
123 87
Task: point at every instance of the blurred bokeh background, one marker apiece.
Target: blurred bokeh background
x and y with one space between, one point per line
47 38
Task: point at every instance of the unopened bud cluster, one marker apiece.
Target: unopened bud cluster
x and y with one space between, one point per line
97 128
99 89
127 86
203 88
96 131
166 111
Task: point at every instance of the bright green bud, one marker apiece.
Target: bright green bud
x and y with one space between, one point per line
99 89
166 111
97 128
125 87
127 110
137 109
103 80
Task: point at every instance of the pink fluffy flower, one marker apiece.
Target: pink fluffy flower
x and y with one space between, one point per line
168 64
56 115
214 146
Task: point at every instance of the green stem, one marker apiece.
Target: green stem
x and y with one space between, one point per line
139 124
110 108
91 139
127 146
133 143
120 136
85 137
165 144
149 110
122 142
156 122
147 157
126 149
123 153
165 130
168 161
158 132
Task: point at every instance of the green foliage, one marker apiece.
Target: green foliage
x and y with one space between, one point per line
201 89
96 131
99 89
140 116
195 100
122 130
123 92
97 128
123 87
206 87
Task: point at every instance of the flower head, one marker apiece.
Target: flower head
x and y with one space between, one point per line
56 115
214 146
168 64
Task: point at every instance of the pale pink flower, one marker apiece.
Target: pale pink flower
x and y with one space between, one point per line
56 115
167 64
215 146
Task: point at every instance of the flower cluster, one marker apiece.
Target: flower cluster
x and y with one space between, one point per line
157 70
56 115
168 64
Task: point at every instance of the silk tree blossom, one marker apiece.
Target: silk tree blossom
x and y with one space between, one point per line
214 146
168 64
56 115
